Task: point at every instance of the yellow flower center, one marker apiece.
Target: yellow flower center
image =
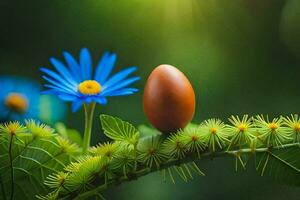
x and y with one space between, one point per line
61 179
213 130
151 151
16 102
297 127
242 127
273 126
194 138
13 127
89 87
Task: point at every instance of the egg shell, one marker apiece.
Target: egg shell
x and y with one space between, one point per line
169 99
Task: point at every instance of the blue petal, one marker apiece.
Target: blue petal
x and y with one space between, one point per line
54 83
57 93
105 67
122 84
86 64
64 72
67 97
58 78
76 105
122 92
74 66
50 91
60 89
118 77
101 100
89 99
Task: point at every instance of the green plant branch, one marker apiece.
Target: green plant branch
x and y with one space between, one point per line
189 158
177 152
12 191
29 154
88 113
133 153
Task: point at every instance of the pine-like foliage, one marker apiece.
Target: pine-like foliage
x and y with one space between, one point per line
132 153
28 154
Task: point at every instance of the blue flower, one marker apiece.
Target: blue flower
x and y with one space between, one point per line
19 99
76 83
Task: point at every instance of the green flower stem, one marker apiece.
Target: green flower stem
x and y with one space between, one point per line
88 113
189 158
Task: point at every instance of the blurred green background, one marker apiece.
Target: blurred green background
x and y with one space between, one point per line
241 56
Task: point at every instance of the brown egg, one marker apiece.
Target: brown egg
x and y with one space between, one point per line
169 99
